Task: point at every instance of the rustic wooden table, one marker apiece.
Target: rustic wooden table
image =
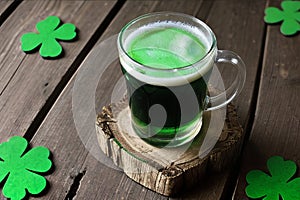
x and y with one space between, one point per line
36 93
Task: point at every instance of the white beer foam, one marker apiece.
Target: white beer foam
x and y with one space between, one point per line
175 78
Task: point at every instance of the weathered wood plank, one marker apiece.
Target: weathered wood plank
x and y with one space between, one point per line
241 31
70 158
27 81
126 189
4 4
277 123
102 182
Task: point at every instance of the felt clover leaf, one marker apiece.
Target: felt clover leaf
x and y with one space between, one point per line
278 183
20 168
290 16
49 32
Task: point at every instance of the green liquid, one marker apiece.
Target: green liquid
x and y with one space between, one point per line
166 49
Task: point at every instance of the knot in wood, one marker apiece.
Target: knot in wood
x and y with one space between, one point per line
171 171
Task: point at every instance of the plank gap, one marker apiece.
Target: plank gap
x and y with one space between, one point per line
11 8
39 118
257 83
75 185
230 185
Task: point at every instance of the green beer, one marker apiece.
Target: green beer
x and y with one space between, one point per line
166 102
167 59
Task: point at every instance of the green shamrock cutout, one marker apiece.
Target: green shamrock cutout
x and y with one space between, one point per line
262 185
49 33
290 16
20 168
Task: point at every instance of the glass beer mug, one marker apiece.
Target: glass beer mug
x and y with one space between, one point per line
167 59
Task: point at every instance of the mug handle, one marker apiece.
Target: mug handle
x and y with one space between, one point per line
225 56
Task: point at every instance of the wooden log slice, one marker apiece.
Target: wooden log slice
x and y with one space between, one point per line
167 171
